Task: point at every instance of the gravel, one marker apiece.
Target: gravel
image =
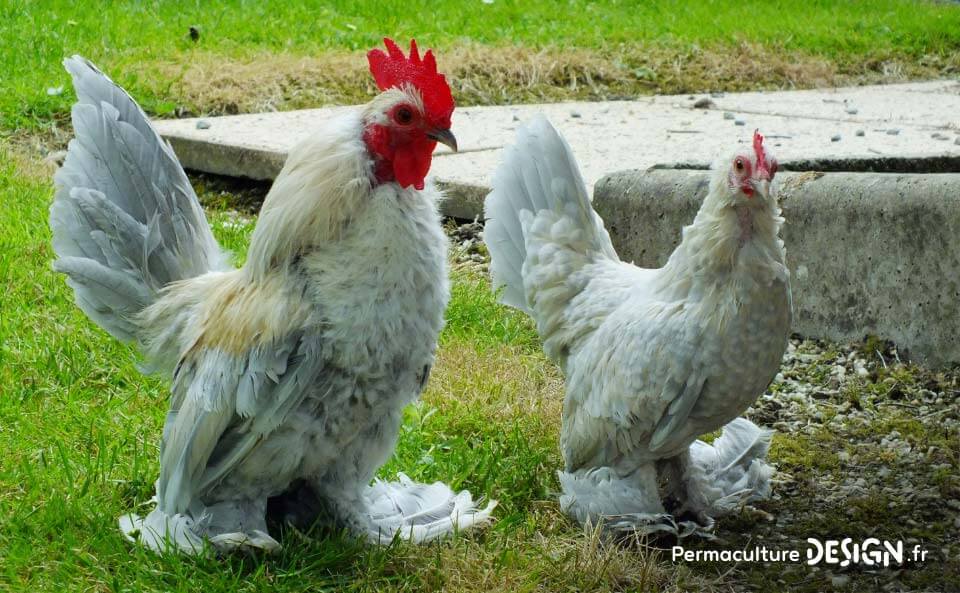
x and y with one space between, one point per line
869 444
466 246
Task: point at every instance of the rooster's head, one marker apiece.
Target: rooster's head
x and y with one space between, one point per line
403 124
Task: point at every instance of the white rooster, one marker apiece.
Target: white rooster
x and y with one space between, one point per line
290 374
653 358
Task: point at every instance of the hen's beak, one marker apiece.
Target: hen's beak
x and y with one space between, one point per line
444 137
761 186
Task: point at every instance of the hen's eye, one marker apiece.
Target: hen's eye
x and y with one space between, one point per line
738 164
403 115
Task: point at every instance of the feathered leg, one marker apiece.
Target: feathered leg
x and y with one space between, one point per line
380 511
719 478
238 524
227 525
622 503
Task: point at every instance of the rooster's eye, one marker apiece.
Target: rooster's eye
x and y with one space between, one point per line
403 116
738 164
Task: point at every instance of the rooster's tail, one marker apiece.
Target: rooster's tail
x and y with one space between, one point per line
125 220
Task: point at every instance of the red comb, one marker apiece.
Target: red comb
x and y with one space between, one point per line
394 70
758 150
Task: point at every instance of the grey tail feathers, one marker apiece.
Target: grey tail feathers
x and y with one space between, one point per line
538 173
125 220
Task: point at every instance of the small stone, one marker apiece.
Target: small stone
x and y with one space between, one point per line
716 94
203 125
893 132
55 91
835 138
938 136
727 115
575 114
852 110
704 103
957 141
839 580
861 133
956 521
516 117
954 504
739 122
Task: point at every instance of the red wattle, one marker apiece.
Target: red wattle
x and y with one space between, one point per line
404 158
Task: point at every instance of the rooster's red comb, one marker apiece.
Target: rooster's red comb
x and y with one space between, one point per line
394 70
758 150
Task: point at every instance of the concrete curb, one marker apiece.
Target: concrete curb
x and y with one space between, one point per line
869 254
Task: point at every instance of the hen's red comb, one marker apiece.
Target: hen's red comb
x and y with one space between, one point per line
758 150
394 70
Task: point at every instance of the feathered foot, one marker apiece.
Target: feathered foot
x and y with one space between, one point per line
621 504
720 478
227 526
420 512
161 532
383 510
234 525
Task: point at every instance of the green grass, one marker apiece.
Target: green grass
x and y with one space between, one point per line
129 38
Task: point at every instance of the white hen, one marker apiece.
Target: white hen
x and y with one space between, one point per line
290 373
653 358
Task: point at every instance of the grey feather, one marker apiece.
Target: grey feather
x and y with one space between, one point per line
124 213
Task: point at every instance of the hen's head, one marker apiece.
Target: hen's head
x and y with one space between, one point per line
749 172
403 124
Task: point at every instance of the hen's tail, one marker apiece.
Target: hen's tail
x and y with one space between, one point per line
541 229
125 220
420 512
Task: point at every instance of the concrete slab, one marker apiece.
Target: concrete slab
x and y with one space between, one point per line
929 105
907 128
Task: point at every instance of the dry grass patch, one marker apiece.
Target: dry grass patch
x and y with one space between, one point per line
213 83
554 557
501 383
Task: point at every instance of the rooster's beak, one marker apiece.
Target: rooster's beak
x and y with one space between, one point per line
444 137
